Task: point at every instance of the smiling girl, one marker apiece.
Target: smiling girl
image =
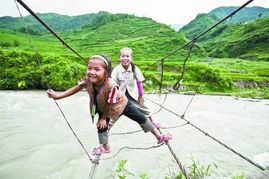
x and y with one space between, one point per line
108 101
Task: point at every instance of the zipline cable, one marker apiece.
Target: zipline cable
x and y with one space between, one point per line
39 63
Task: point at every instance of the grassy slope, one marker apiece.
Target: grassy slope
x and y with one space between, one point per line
149 39
249 41
13 40
204 21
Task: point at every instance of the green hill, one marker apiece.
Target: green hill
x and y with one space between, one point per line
247 40
57 22
204 21
246 14
101 33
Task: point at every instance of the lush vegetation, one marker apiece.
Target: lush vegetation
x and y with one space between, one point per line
212 76
22 70
63 22
247 41
32 58
203 21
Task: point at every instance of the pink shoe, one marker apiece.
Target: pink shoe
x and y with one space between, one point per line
156 124
100 150
164 138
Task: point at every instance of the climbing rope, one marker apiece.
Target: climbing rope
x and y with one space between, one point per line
132 148
207 134
179 81
161 82
176 158
95 164
39 63
201 79
132 132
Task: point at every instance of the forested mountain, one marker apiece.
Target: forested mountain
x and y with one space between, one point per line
56 21
95 33
246 14
245 40
107 33
204 21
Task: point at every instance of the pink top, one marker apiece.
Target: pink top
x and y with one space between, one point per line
140 87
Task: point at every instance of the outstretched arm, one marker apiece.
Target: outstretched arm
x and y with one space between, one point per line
69 92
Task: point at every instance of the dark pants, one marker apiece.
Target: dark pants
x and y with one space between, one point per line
131 112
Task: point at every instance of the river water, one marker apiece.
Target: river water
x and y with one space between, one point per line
36 142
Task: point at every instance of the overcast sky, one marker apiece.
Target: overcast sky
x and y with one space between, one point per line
164 11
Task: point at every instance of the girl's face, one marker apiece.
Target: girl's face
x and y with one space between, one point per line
126 58
96 72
